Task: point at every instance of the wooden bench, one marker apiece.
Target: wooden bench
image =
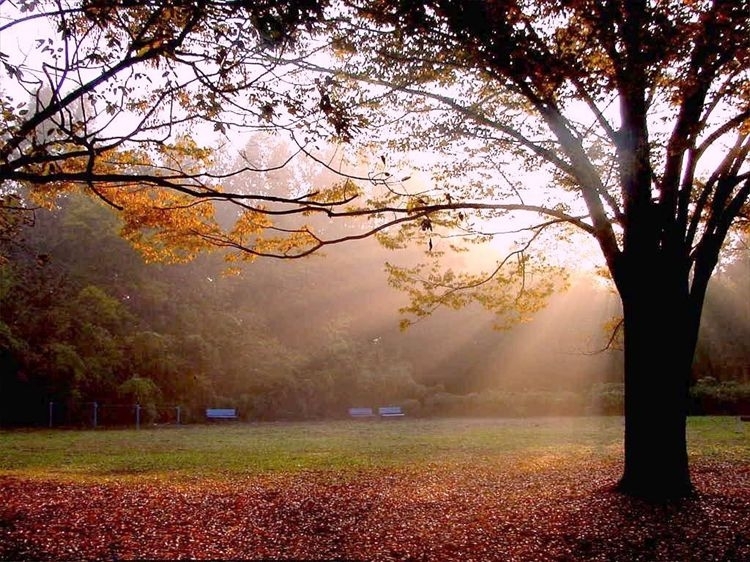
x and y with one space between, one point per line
390 412
221 414
360 412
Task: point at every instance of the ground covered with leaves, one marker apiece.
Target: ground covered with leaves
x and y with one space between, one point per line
539 510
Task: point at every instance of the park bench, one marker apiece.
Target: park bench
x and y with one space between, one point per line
360 412
221 414
390 412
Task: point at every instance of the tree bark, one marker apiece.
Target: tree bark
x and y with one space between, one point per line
658 358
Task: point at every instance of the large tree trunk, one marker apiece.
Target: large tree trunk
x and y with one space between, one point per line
658 358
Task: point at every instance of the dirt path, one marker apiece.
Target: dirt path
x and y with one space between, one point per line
534 513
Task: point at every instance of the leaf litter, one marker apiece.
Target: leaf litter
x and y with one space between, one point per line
440 512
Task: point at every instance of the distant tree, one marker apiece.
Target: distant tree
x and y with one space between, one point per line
724 344
14 215
142 391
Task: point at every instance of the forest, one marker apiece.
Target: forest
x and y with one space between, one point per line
85 319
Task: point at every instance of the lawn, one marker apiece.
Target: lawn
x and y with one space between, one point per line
228 449
536 489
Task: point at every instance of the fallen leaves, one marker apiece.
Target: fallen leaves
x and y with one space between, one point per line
488 511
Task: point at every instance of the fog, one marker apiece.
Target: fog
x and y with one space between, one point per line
564 346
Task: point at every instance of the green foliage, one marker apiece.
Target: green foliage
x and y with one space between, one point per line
709 396
143 392
139 390
620 106
503 404
608 399
95 324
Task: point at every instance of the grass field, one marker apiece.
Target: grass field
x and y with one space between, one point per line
234 448
429 490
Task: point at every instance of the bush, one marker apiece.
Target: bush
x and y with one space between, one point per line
607 399
711 397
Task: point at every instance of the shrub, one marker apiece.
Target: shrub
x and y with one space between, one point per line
711 397
607 399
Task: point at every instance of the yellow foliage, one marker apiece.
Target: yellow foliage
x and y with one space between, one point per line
343 191
165 225
249 225
514 291
289 245
185 151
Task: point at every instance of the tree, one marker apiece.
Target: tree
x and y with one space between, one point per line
634 113
658 184
143 391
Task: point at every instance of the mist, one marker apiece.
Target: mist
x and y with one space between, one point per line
85 319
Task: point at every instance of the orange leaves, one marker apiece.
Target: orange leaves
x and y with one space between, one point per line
491 510
338 193
172 222
164 225
290 244
250 224
186 154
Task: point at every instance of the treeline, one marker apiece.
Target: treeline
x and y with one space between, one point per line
707 396
83 321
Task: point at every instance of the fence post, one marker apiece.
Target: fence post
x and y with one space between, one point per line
51 412
178 415
137 416
96 411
